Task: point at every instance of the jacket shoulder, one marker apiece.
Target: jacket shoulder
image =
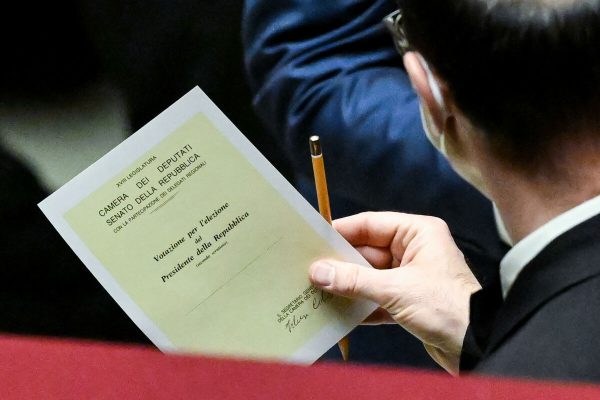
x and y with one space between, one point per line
559 341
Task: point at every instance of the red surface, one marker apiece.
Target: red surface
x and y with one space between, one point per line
52 369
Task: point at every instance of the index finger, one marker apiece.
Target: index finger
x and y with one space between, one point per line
377 229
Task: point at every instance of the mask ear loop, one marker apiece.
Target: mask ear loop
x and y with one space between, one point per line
435 87
437 96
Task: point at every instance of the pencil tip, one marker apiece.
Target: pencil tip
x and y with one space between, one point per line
344 345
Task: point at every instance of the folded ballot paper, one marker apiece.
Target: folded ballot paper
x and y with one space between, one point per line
203 243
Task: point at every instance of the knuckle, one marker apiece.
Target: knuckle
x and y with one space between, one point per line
438 224
366 217
350 284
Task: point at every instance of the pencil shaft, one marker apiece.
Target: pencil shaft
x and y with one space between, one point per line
321 186
325 210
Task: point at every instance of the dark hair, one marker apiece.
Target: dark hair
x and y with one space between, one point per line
526 72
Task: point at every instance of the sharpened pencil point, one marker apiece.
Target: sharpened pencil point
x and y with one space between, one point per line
344 345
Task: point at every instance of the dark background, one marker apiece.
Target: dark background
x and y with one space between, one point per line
153 52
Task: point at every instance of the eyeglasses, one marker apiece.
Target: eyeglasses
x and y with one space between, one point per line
393 23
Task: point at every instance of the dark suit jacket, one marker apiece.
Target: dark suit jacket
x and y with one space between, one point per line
549 324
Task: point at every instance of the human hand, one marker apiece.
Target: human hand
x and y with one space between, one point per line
422 281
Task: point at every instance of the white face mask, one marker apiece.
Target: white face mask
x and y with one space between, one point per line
436 138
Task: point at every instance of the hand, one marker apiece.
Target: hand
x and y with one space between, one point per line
422 281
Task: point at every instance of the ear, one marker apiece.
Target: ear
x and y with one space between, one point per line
420 78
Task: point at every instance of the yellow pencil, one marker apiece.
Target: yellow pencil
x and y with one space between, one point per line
316 153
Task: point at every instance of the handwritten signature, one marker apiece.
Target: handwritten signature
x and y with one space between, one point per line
294 322
321 298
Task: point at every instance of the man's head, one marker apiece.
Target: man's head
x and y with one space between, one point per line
524 75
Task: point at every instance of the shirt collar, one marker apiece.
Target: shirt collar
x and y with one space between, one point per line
530 246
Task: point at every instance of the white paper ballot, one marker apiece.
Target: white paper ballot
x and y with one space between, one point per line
203 243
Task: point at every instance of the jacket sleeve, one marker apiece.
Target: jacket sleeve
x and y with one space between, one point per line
329 68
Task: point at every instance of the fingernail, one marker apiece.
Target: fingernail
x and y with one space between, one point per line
322 274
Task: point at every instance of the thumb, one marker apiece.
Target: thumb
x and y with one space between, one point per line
351 280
